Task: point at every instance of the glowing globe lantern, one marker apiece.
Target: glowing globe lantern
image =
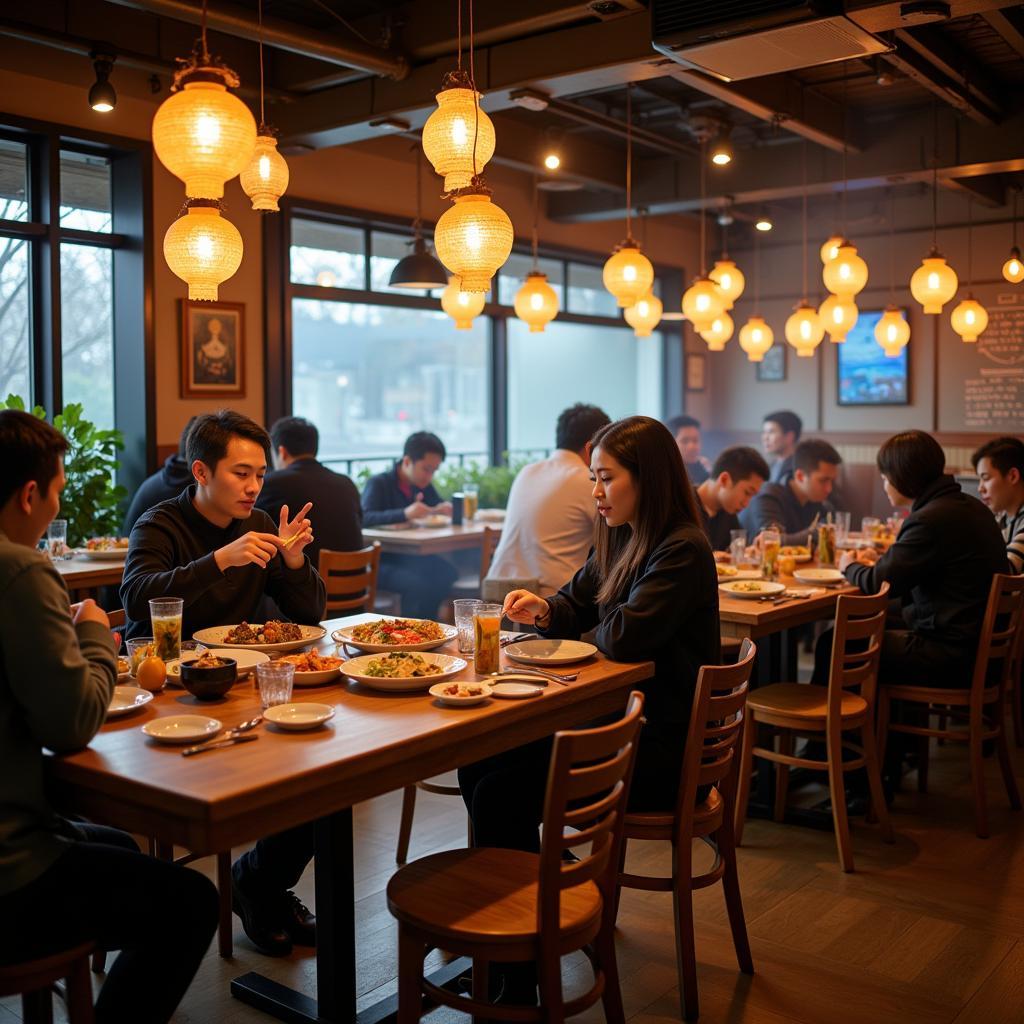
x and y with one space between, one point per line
473 239
847 273
265 178
804 330
536 303
458 138
702 302
203 249
461 306
628 274
892 331
644 316
934 283
718 333
1013 268
838 315
729 279
756 337
830 248
969 319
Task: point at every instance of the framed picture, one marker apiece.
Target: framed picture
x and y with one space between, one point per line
773 365
212 348
696 371
865 375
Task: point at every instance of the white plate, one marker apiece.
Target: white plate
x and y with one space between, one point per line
214 637
489 515
104 556
434 522
437 690
355 668
515 690
297 717
182 728
819 576
344 636
764 587
316 678
550 652
127 699
741 574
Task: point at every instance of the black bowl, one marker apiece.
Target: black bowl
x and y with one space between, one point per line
209 683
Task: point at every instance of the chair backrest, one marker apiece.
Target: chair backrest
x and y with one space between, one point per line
857 647
1000 639
711 756
488 545
350 578
117 618
588 783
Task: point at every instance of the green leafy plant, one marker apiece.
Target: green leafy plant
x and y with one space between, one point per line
90 500
494 482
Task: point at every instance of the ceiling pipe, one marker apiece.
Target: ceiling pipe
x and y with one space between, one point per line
282 35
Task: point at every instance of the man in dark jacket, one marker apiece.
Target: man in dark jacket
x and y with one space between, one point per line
336 515
167 482
737 475
400 495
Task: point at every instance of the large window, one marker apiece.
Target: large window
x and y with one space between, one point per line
15 291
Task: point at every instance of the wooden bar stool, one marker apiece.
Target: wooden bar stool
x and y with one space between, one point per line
711 760
34 979
847 703
510 906
982 706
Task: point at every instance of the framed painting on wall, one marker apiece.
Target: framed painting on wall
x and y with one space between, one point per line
773 365
212 348
696 371
865 375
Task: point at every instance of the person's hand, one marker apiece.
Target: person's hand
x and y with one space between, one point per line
444 509
417 510
868 556
294 535
722 556
846 559
89 611
522 606
249 549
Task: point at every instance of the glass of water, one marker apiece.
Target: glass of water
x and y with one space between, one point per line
275 679
737 545
57 539
842 521
465 609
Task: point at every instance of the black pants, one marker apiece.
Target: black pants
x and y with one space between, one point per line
160 915
275 864
424 581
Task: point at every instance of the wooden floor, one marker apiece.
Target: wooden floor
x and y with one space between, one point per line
930 930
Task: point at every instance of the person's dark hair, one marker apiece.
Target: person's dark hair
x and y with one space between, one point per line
678 422
788 421
1004 453
811 452
911 462
664 498
578 424
423 443
741 462
208 439
31 448
183 440
296 435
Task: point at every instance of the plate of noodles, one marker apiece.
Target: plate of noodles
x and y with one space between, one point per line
402 671
385 635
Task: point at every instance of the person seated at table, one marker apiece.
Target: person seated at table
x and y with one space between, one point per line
168 482
736 477
780 434
686 431
298 477
400 495
220 554
1000 468
549 519
67 882
798 500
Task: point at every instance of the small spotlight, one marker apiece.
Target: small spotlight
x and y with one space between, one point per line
102 97
552 161
722 152
763 224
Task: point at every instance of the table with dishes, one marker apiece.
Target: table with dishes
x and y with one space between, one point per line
434 535
337 740
84 571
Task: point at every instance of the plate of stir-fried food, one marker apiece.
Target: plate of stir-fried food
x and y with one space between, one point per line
313 668
386 635
272 635
402 670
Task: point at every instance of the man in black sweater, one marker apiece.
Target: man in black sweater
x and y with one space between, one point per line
298 477
167 482
211 547
400 495
736 477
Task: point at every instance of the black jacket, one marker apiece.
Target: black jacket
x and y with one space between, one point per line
668 614
336 515
776 503
167 482
384 502
170 554
718 527
941 565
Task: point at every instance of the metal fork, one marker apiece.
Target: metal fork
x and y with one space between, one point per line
233 735
553 676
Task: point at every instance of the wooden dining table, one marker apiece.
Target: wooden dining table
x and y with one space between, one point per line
83 576
405 539
376 742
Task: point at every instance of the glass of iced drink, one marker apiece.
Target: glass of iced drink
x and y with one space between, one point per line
486 638
165 614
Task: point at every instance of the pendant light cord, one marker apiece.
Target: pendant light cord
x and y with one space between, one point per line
757 274
629 160
970 238
892 246
472 81
206 51
703 218
417 224
458 30
535 263
803 167
935 174
259 13
846 182
1016 197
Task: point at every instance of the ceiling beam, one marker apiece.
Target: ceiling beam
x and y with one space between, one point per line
1010 25
581 114
989 191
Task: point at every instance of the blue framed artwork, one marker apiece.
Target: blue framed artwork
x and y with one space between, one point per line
865 375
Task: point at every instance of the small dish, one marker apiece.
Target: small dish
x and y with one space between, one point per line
124 669
515 690
246 661
434 522
182 729
442 692
209 683
299 716
819 576
550 652
127 699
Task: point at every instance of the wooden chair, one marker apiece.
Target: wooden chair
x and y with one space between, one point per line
982 706
471 585
846 704
1015 691
711 760
510 906
351 579
117 618
33 981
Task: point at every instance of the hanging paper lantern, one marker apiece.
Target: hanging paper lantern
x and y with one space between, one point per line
729 279
830 248
847 273
718 333
756 337
702 302
969 319
536 303
264 178
934 283
628 274
203 249
461 306
644 315
458 138
838 315
473 239
202 133
804 330
892 331
1013 268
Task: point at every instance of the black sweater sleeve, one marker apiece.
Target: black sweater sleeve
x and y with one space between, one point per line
910 560
378 503
299 593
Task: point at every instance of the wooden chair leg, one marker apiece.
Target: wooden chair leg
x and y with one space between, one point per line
782 776
611 997
837 790
745 769
410 977
883 712
682 906
549 978
78 998
618 886
37 1007
405 825
978 779
878 811
923 745
225 926
480 985
733 898
1017 709
1006 765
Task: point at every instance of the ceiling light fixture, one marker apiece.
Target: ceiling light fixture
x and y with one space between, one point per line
970 318
722 153
804 329
102 97
1013 268
719 332
726 274
461 306
552 161
763 223
203 248
703 302
892 331
536 303
756 337
644 315
420 270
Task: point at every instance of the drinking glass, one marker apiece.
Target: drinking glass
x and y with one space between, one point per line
470 500
138 650
771 542
275 679
486 638
826 544
842 521
893 524
165 614
57 539
465 609
868 525
737 545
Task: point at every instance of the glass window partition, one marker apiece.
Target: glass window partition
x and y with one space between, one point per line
85 199
329 255
15 318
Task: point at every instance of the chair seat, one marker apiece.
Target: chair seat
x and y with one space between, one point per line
801 701
661 824
483 895
937 695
